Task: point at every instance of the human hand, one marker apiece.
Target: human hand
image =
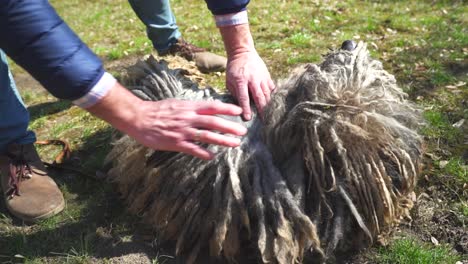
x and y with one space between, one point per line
246 72
176 125
170 125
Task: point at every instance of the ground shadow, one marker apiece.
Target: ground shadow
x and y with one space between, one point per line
48 108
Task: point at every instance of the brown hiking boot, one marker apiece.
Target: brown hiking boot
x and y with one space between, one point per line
29 193
204 60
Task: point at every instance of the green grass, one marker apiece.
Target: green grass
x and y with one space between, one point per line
456 168
423 43
440 128
110 28
300 39
409 251
464 209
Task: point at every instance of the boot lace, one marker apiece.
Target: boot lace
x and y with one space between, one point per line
20 171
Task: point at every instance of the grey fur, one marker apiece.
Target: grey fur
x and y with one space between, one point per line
330 169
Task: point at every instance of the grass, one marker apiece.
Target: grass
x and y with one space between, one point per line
410 251
457 169
423 43
440 128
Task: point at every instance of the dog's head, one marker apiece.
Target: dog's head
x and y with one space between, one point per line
348 96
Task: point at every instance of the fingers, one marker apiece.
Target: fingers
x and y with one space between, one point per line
217 108
193 149
261 93
244 102
259 96
205 136
267 87
271 85
266 91
220 124
232 90
206 120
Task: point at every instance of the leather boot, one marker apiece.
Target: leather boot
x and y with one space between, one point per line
209 62
30 194
204 60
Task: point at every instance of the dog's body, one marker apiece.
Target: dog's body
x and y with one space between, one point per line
331 168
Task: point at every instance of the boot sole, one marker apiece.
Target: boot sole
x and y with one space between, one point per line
51 213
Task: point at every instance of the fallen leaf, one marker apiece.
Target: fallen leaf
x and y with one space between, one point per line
459 123
443 163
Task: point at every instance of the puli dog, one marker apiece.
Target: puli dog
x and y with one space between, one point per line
329 169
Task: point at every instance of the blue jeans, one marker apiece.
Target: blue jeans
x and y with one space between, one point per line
159 21
14 117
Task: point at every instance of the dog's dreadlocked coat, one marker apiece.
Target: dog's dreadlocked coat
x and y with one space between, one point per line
330 168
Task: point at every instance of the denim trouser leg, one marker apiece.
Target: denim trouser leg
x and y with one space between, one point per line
159 20
14 116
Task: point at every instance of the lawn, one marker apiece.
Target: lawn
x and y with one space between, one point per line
423 43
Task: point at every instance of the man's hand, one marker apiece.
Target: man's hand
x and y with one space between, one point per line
246 72
177 125
171 125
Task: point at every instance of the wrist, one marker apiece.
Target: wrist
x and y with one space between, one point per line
235 32
237 39
231 19
119 107
97 92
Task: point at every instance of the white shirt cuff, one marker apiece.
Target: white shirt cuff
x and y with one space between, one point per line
232 19
100 89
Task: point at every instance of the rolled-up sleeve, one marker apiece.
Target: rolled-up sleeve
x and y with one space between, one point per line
220 7
36 38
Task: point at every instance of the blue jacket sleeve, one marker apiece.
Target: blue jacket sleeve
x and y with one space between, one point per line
222 7
36 38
